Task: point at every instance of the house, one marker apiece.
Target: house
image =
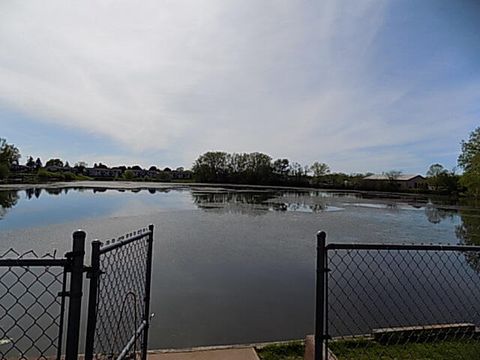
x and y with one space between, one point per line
97 172
402 181
181 174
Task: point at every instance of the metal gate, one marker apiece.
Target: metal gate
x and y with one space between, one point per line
41 300
119 298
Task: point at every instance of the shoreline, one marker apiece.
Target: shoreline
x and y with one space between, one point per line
135 185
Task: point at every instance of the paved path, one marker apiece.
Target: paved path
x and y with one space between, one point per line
224 354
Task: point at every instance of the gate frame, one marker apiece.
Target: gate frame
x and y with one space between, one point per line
94 274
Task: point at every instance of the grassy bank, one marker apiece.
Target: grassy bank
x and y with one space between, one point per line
455 349
290 351
369 350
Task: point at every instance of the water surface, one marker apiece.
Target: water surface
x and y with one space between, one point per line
232 265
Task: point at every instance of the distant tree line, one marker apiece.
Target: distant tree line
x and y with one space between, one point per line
252 168
258 168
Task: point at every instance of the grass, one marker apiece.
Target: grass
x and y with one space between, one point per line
290 351
369 350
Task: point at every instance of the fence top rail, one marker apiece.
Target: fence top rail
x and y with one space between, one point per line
124 240
406 247
33 262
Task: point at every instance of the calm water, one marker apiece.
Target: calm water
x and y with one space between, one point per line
231 265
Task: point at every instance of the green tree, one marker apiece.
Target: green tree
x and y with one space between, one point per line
54 162
30 163
128 175
434 175
470 148
211 167
8 199
281 167
319 169
9 155
471 177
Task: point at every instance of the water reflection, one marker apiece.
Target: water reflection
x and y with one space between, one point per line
245 203
54 191
255 202
8 199
436 215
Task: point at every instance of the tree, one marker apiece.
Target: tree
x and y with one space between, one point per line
38 163
435 170
9 155
211 166
281 167
80 167
434 175
30 163
296 169
393 175
471 177
470 148
54 162
128 175
319 169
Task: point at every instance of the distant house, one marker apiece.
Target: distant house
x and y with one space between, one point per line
19 168
97 172
181 174
403 181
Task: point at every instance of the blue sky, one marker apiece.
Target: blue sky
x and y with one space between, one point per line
361 85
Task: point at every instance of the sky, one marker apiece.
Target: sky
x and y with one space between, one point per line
363 85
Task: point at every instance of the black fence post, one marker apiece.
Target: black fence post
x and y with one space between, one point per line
94 276
320 306
148 281
75 294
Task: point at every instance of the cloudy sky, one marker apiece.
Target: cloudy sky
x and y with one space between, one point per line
362 85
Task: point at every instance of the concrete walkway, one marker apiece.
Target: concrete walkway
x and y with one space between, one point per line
221 354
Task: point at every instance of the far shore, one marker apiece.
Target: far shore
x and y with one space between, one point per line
136 185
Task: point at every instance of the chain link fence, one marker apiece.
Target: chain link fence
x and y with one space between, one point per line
32 307
119 294
41 300
397 301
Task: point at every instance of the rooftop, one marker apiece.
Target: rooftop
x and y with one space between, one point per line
401 177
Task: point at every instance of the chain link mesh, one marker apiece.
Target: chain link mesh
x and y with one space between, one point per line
382 303
121 294
31 307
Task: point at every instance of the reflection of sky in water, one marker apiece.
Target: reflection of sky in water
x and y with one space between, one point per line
76 205
56 206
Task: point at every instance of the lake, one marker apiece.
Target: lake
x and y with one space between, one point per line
231 264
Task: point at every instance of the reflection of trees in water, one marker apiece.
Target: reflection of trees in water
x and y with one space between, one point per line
436 215
245 203
257 203
206 198
29 193
468 233
54 191
8 199
297 206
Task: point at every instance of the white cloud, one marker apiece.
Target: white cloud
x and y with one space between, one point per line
291 79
